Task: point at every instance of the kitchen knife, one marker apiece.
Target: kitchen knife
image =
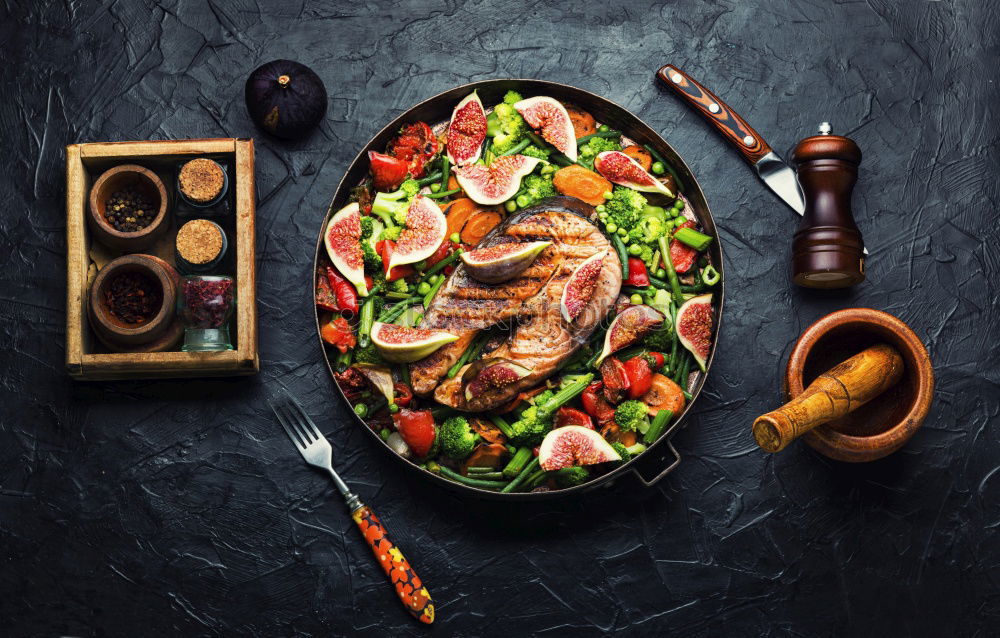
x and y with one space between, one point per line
771 169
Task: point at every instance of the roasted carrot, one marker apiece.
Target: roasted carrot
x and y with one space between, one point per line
487 455
627 438
640 155
663 395
453 183
478 224
583 122
458 212
577 181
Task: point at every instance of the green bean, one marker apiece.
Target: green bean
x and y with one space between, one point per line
445 171
430 179
430 296
395 294
365 322
561 160
528 469
465 480
535 480
344 360
479 470
443 194
390 314
586 138
517 148
675 283
441 264
622 254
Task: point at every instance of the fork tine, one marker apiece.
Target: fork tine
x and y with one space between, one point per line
304 420
296 424
292 433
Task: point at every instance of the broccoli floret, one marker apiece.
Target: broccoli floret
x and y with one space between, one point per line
511 128
589 150
660 339
646 254
536 420
391 233
457 438
368 227
648 230
391 207
624 207
534 151
631 416
368 354
571 476
537 188
622 452
400 285
512 97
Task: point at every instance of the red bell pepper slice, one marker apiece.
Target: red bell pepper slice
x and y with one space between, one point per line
571 416
640 377
594 403
417 429
347 294
337 333
402 395
387 171
442 251
637 275
682 255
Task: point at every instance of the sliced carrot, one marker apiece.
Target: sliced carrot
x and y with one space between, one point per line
453 183
458 212
577 181
486 455
480 223
640 155
627 438
664 394
583 122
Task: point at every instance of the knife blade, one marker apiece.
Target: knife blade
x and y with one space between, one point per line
771 169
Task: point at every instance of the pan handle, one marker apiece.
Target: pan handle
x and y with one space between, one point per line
670 468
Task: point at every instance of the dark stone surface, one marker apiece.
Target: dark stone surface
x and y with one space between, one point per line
179 508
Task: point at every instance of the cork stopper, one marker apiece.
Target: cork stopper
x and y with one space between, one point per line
201 180
199 241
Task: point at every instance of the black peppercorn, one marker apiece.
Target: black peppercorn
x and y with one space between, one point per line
129 210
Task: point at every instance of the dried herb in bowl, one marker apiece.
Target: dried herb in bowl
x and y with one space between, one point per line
133 297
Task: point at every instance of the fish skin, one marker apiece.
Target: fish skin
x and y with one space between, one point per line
529 304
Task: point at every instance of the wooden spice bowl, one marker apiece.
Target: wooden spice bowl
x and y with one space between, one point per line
118 333
881 426
113 180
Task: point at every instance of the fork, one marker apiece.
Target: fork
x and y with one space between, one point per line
316 451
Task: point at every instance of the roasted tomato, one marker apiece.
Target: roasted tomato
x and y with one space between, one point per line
402 394
337 333
416 145
572 416
639 376
442 251
615 379
682 255
387 172
326 299
637 275
417 429
595 405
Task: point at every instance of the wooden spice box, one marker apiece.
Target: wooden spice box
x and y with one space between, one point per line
86 357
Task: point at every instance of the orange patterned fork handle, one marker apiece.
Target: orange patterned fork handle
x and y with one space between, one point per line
410 590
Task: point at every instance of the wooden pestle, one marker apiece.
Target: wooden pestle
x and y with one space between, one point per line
839 390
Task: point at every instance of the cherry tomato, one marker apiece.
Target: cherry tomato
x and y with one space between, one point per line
572 416
402 393
595 405
639 377
615 379
637 275
337 333
387 172
682 255
657 359
417 429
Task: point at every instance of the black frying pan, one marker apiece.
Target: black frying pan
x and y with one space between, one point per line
438 109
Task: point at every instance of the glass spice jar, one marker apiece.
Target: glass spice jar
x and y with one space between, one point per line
202 185
200 246
205 305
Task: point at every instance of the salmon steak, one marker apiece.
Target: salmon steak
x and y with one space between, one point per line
523 314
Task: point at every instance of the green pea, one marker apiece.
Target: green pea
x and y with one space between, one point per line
393 408
510 205
623 233
611 228
602 216
603 128
680 220
660 273
435 278
523 201
659 168
435 187
634 249
361 410
423 288
679 204
455 238
607 194
385 433
601 208
636 299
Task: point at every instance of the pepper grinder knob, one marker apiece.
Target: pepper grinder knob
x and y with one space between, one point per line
827 250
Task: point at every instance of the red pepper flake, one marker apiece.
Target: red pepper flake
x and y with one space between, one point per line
133 297
207 301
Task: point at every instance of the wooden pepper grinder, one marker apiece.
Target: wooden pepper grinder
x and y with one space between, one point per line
827 251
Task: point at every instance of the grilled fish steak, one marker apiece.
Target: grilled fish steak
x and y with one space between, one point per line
540 339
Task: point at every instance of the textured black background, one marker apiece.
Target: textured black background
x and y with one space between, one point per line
179 508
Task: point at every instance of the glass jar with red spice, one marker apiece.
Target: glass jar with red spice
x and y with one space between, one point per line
205 305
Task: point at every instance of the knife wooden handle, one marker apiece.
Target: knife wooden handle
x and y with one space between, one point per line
405 581
749 143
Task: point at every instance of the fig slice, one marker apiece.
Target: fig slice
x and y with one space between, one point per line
573 445
629 327
425 229
621 169
342 238
498 182
378 376
580 286
400 344
550 118
466 131
491 374
501 262
694 327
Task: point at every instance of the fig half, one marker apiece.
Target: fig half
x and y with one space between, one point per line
573 445
619 168
550 118
496 183
501 262
694 327
342 238
629 327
